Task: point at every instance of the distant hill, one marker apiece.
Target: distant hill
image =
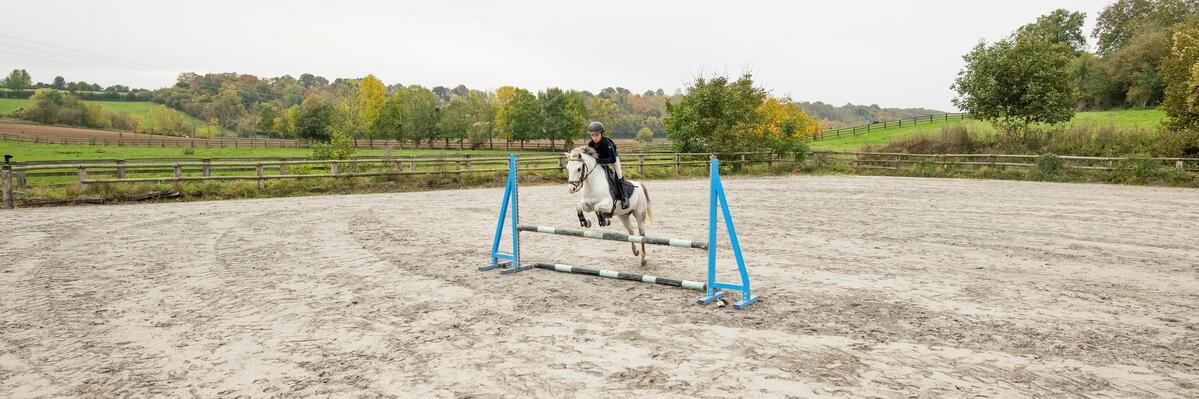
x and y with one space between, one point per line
832 116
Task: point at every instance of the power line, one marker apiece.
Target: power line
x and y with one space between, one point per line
78 65
58 61
83 52
68 56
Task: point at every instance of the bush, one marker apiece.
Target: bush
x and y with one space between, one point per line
1049 165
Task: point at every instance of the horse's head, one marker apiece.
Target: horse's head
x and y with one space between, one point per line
580 162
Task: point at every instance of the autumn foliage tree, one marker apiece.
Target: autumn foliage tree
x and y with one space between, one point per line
721 115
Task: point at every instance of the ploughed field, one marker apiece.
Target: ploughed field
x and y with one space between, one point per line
871 286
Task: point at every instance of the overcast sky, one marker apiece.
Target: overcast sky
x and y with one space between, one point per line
891 53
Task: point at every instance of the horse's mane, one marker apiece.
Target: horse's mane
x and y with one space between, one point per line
586 150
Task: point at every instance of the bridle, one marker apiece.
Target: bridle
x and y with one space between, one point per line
576 185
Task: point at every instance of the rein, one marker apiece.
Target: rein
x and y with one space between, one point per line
577 185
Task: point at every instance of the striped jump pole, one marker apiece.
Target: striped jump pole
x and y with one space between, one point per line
691 285
613 236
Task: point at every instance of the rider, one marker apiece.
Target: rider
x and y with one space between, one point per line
606 149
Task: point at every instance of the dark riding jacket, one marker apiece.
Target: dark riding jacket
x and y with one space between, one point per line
605 150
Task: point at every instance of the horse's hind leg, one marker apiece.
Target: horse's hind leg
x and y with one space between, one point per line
624 220
640 231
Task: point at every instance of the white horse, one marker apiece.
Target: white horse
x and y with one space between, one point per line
586 176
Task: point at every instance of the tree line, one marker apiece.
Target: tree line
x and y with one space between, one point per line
19 84
1042 73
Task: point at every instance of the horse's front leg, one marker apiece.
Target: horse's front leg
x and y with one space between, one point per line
603 211
582 207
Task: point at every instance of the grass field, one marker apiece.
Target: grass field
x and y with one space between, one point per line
1148 119
10 104
25 151
139 108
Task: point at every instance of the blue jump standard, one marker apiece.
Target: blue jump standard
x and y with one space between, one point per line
718 206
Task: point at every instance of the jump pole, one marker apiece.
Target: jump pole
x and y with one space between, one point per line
510 262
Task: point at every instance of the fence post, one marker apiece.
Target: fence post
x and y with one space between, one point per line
467 164
641 165
282 166
1110 165
178 174
333 168
6 186
1178 164
120 168
677 159
81 172
207 167
261 182
23 175
897 162
412 163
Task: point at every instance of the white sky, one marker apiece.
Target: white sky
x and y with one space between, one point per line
891 53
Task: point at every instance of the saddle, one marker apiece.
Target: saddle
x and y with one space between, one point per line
621 189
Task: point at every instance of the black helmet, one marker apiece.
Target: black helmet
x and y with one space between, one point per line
595 127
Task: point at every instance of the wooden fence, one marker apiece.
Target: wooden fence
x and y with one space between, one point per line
867 128
59 173
896 161
177 171
187 142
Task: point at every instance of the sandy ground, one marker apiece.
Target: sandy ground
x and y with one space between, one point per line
888 287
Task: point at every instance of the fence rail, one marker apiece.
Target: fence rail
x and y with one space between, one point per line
847 131
58 173
188 142
179 170
896 161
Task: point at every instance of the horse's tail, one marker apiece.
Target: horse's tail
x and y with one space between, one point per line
649 210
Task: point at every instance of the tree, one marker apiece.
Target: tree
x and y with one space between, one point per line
45 105
163 120
17 80
348 116
419 113
285 122
1119 22
1017 82
227 106
574 117
1060 26
523 115
500 105
59 83
1181 72
95 117
314 119
553 110
645 136
714 115
267 114
781 125
455 120
371 96
390 122
482 116
602 110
